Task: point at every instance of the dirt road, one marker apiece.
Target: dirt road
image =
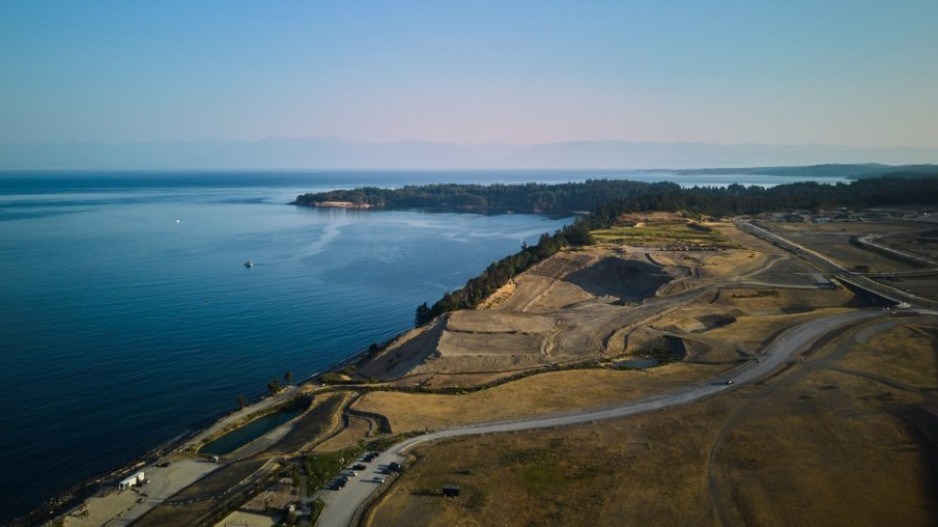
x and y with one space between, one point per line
341 505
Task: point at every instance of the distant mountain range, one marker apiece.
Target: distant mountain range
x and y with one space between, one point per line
333 153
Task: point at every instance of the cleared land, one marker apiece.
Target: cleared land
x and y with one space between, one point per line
202 497
838 241
126 506
812 445
833 241
924 242
611 301
582 305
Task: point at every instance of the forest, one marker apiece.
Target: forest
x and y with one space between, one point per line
592 195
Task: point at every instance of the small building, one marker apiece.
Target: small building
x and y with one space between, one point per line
451 491
132 481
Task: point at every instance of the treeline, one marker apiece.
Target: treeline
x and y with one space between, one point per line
729 201
633 195
527 197
735 200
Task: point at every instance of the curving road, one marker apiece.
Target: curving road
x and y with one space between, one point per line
835 269
341 505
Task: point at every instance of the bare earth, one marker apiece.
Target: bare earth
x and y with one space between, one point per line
812 446
581 305
123 507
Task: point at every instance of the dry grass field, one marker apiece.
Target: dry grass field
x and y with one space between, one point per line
829 442
833 241
924 286
319 421
923 242
536 395
645 471
357 430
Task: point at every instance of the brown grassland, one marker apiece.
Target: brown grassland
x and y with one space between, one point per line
833 241
536 395
828 442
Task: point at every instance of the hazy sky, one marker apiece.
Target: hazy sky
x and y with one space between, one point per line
855 72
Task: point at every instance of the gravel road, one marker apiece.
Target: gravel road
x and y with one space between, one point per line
341 504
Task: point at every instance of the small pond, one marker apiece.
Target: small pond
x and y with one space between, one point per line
239 437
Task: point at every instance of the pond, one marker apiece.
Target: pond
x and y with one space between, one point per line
239 437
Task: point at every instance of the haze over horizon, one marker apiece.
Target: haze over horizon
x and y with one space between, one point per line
789 83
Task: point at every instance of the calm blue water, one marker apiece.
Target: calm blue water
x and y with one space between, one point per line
127 316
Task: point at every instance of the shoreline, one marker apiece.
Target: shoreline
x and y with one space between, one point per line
338 205
64 501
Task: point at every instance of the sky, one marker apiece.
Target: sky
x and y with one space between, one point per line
856 73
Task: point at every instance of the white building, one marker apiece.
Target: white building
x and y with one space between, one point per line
126 483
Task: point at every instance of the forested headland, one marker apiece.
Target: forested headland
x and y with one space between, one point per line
588 196
609 200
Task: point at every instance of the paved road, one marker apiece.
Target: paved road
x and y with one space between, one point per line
835 269
341 505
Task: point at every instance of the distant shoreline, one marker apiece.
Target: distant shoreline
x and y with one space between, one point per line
338 205
71 497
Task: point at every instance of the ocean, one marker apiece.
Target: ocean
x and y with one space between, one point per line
128 317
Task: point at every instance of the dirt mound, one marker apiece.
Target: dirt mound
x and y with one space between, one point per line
406 353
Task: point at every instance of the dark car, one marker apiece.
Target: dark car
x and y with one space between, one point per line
359 467
394 467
